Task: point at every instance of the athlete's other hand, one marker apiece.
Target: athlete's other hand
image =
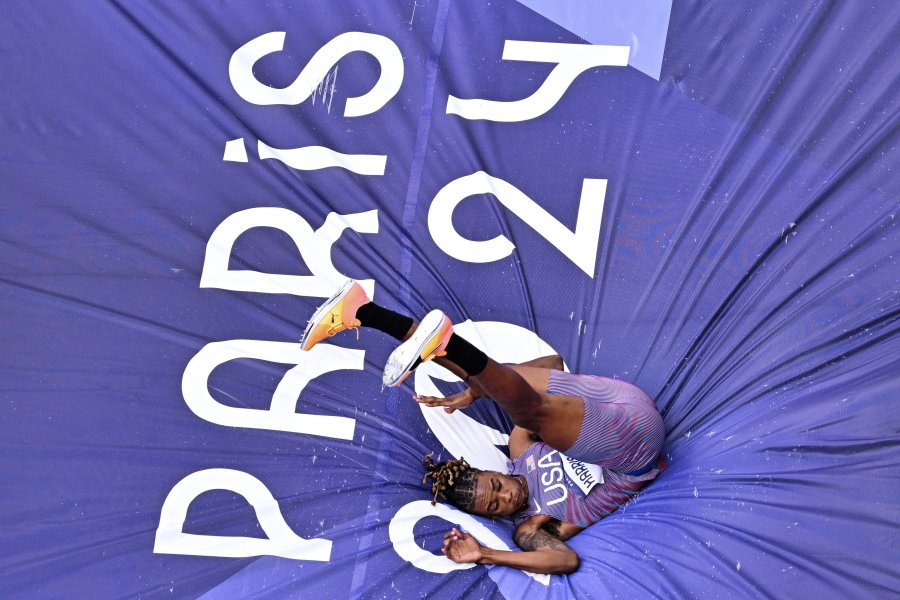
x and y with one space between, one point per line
452 403
461 547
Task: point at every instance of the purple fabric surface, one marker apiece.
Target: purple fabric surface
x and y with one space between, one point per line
745 277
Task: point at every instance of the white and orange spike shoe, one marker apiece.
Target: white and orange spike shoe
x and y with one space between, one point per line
428 341
337 314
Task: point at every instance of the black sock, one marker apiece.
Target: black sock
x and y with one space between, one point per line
382 319
469 358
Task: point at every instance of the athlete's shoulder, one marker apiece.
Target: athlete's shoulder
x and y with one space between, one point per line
521 440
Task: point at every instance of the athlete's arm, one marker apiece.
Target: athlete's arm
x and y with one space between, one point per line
543 552
561 530
519 441
463 399
534 371
451 366
553 361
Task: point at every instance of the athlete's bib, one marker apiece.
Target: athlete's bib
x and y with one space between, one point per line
584 475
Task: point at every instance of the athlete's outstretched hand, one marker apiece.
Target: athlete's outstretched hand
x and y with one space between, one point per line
461 547
452 403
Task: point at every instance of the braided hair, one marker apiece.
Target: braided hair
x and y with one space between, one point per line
454 480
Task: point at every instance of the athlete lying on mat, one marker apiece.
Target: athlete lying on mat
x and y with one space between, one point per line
595 420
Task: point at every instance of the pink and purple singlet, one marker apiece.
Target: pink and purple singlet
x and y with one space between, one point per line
622 431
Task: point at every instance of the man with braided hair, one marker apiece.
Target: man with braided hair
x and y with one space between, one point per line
581 446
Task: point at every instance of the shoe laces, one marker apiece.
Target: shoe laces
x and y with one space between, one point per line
338 328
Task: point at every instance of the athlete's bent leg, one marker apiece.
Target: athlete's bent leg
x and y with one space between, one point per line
622 429
557 419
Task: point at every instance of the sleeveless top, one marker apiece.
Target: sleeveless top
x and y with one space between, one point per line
550 491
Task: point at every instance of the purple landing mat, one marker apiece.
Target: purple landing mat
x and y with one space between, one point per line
181 184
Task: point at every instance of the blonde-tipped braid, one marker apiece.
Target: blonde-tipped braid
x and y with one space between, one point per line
452 480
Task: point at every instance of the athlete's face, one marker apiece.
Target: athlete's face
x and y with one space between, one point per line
498 495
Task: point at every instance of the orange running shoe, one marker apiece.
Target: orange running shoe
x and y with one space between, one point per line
428 341
337 314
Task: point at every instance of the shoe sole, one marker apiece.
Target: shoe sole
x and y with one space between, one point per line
324 310
400 363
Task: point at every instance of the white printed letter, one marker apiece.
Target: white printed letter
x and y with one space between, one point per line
401 528
579 246
281 415
171 539
310 158
572 60
315 248
240 70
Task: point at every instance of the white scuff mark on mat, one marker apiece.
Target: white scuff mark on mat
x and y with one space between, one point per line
413 15
326 89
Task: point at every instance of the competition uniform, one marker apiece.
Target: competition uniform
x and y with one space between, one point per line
622 432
